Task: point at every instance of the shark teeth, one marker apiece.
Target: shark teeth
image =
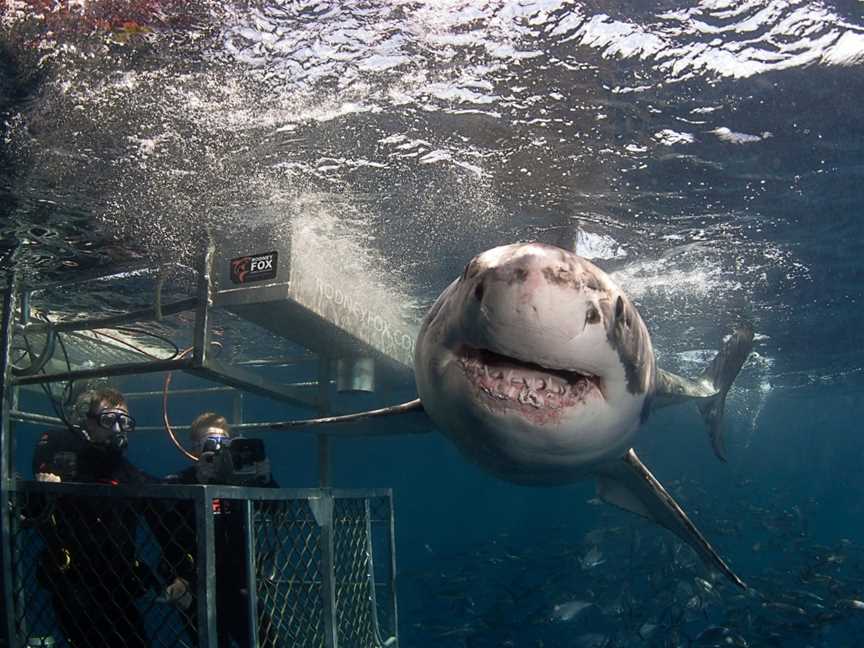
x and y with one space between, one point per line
531 386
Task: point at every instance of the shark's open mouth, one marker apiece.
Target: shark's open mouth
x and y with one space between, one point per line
527 384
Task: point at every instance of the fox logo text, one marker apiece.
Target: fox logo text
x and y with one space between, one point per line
255 267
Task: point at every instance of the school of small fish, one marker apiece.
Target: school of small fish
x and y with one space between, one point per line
629 584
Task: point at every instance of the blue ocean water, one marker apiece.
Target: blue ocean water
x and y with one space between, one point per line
708 155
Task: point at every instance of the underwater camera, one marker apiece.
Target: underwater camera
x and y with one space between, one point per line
236 462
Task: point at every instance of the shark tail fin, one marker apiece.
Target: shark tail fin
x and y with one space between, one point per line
721 373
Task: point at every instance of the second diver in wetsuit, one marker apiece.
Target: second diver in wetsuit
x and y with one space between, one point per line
210 433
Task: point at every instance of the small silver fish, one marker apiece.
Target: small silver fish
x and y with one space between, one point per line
855 604
592 559
569 610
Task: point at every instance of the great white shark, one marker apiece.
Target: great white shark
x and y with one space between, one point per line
539 368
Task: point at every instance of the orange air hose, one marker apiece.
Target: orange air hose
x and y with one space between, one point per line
165 420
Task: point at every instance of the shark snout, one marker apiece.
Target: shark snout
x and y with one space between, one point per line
521 283
519 311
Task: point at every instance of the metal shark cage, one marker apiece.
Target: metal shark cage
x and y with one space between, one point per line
322 561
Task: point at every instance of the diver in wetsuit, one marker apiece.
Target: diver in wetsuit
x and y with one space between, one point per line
211 434
89 564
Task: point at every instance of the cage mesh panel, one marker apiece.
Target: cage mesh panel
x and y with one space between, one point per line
77 560
101 559
382 553
354 600
288 558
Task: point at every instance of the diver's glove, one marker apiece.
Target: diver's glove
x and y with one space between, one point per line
177 593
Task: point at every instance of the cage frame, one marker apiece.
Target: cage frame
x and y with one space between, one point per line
15 313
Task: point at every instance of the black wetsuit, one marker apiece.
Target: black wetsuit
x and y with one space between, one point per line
89 564
229 529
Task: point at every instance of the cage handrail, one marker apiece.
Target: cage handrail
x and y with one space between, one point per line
129 317
192 491
124 369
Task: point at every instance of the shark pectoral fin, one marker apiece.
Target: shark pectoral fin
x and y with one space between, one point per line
629 485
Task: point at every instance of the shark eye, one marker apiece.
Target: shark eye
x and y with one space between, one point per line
620 314
592 316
